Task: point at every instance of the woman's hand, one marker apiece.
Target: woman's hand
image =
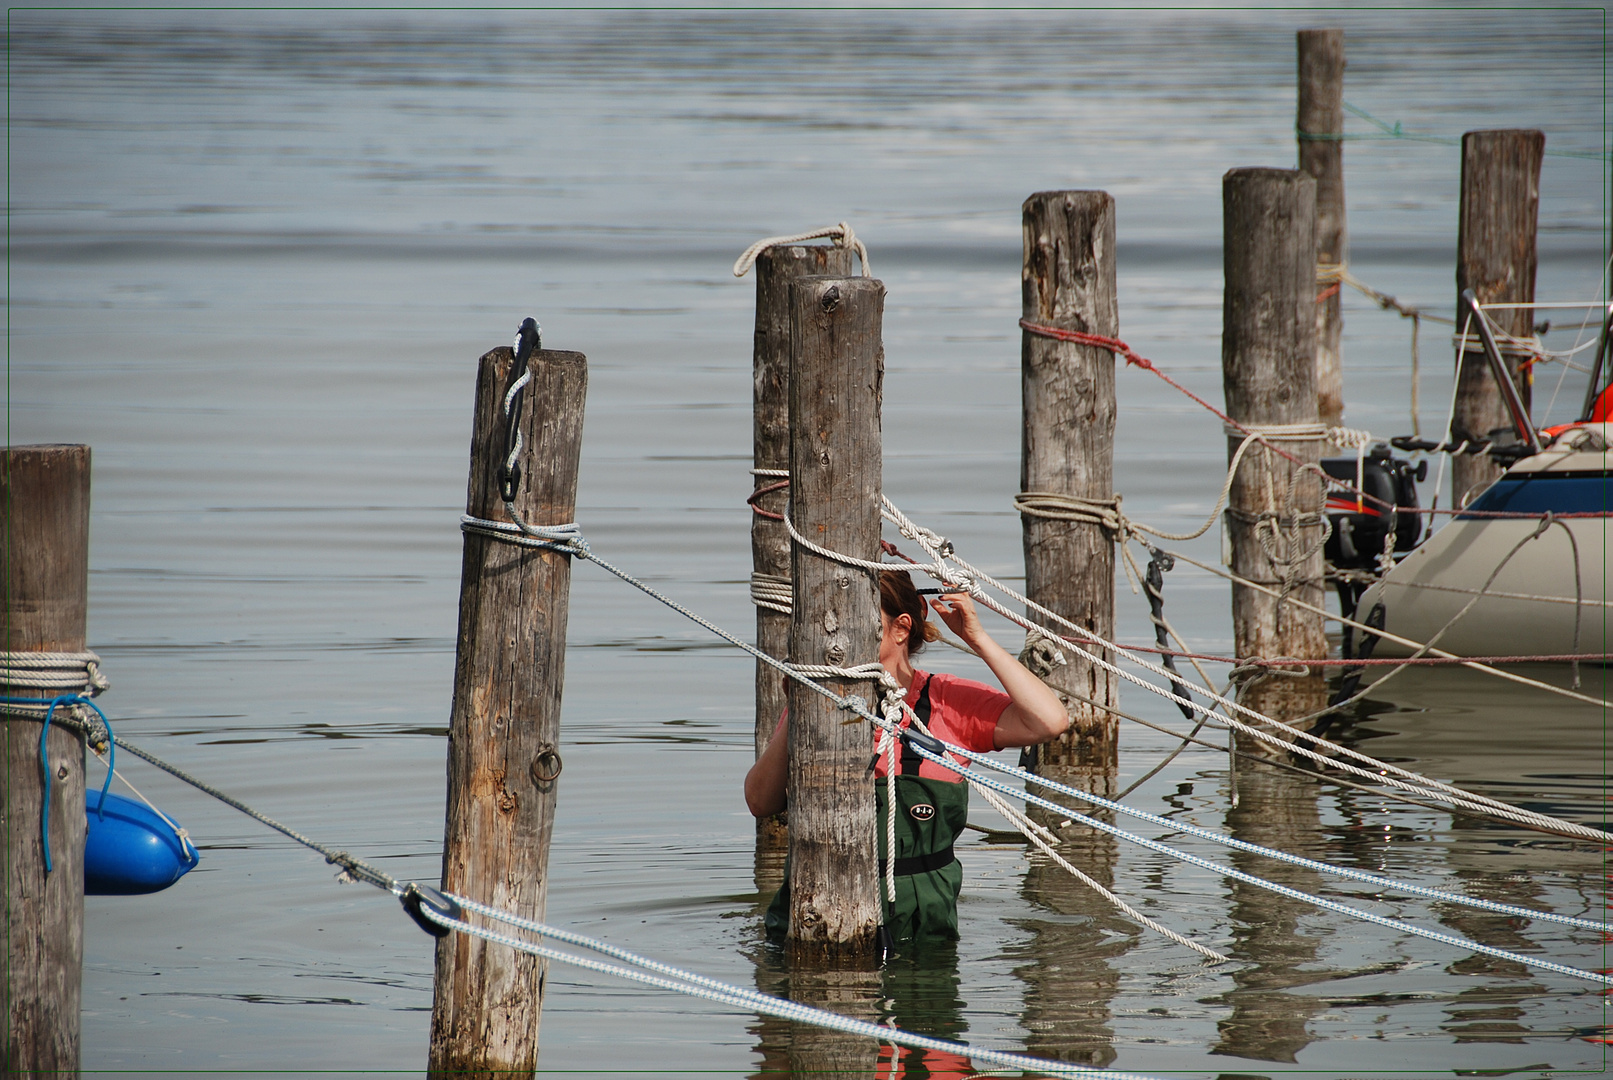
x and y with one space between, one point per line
1035 714
957 610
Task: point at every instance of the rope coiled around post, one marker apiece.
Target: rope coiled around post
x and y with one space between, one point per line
841 234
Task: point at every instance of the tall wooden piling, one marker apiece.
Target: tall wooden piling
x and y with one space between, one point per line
1495 257
776 268
837 361
45 493
1067 448
504 761
1268 366
1320 128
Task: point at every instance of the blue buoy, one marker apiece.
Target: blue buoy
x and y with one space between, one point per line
129 849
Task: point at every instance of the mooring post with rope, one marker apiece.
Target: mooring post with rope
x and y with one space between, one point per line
1320 130
503 759
1495 257
837 363
46 496
776 268
1067 502
1275 521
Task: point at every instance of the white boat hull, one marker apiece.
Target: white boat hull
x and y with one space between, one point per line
1548 596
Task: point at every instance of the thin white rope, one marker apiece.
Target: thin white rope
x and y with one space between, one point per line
1238 875
1040 836
1379 770
841 234
182 834
860 707
1500 673
1107 512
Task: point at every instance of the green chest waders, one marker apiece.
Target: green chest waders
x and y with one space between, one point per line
930 816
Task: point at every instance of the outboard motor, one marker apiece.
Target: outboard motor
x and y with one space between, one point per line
1361 523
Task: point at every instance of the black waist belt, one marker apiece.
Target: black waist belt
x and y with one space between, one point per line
921 864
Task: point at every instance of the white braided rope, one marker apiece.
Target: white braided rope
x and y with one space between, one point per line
509 399
49 675
841 234
63 671
667 977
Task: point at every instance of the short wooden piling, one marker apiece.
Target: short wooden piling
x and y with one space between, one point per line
1320 128
837 361
45 493
769 542
504 761
1495 257
1268 366
1067 448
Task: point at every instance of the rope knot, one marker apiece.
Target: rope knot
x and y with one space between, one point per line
841 234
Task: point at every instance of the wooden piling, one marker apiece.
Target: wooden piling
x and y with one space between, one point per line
45 492
504 761
769 542
1067 448
1495 257
1268 367
1320 128
837 361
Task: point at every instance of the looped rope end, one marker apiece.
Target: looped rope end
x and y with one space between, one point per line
842 235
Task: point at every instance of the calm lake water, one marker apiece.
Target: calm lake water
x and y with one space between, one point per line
253 259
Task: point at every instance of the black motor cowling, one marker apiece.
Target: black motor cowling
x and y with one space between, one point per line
1360 523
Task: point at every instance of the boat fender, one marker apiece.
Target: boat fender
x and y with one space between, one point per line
418 896
130 849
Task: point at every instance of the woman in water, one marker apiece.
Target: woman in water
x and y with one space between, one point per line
933 801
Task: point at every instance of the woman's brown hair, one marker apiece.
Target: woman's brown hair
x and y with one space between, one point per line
897 596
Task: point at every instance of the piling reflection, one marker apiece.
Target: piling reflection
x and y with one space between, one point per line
1267 1023
1070 983
919 993
1491 1013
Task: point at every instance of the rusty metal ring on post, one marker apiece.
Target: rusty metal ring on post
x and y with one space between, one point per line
542 772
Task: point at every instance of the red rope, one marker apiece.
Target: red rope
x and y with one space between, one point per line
1120 348
759 492
1331 291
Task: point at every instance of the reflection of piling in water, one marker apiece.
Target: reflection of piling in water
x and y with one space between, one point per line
776 267
820 1052
1267 1023
1490 1013
1070 983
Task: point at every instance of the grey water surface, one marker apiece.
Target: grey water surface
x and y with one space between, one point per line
253 257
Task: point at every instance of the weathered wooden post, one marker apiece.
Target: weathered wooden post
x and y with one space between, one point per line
776 268
1495 257
1068 393
837 360
1320 127
1268 367
46 497
503 759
